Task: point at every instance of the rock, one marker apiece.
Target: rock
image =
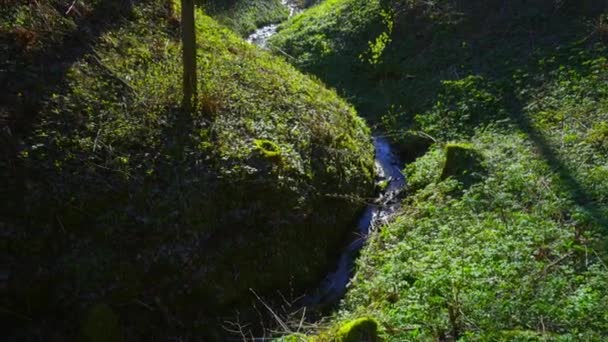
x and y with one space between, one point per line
463 163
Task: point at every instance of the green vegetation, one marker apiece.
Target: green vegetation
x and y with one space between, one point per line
111 198
463 163
244 16
124 219
362 329
503 235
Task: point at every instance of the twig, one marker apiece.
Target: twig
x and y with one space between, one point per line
600 259
71 7
238 329
96 140
302 320
147 306
97 57
276 317
553 264
283 52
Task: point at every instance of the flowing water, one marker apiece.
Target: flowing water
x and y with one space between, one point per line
388 170
261 35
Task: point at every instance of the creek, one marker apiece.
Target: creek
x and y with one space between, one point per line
377 213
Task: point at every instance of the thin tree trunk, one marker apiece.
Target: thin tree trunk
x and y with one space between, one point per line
189 57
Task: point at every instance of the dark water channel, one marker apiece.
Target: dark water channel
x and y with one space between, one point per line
388 170
376 214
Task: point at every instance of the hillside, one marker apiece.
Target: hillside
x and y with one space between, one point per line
124 219
244 16
500 110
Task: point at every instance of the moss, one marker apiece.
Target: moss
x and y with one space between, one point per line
359 330
463 163
101 324
598 136
382 185
294 338
267 148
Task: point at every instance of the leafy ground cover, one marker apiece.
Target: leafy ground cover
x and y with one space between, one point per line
124 218
512 247
244 16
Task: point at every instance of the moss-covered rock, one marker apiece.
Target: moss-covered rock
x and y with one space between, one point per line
462 162
359 330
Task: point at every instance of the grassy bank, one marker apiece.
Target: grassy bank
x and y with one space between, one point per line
503 231
245 16
123 217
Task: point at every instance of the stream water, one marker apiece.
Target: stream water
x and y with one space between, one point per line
261 35
388 170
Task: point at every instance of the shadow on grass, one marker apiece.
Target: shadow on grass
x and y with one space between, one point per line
579 194
30 78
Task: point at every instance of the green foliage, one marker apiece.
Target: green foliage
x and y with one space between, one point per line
330 38
461 106
293 338
106 179
496 259
244 16
598 136
377 47
426 170
462 162
518 251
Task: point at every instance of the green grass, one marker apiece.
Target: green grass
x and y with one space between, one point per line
244 16
114 202
520 253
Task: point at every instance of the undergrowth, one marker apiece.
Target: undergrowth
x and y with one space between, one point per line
244 16
520 252
111 202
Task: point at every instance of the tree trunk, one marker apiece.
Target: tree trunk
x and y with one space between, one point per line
189 56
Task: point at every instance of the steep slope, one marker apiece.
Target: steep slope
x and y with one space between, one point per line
123 218
504 229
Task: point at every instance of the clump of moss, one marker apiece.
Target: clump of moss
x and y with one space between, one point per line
267 148
598 137
363 329
463 163
101 325
294 338
382 185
